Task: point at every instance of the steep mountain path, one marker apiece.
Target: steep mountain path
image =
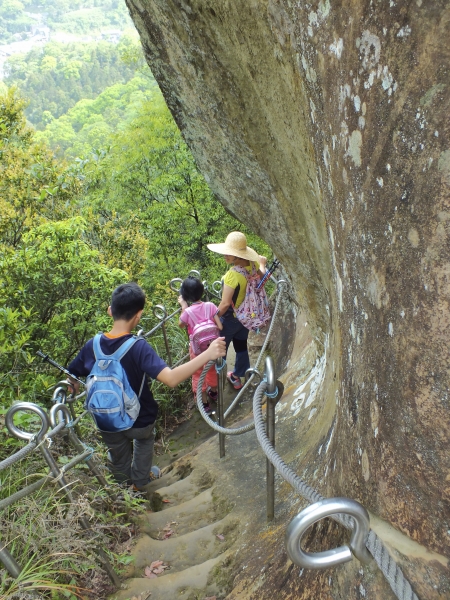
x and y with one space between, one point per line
191 527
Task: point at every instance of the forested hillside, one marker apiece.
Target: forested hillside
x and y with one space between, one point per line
57 76
90 123
19 17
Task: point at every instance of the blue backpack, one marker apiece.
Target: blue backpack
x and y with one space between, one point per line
110 399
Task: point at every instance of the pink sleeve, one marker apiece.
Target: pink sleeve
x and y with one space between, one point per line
184 317
212 309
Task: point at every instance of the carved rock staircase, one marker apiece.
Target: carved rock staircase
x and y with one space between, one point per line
202 529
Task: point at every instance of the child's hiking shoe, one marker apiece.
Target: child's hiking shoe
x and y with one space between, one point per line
155 473
146 490
235 381
208 409
212 395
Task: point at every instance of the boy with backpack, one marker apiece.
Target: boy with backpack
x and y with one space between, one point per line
120 400
203 326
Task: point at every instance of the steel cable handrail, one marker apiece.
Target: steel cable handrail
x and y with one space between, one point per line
18 455
249 426
280 285
394 575
211 423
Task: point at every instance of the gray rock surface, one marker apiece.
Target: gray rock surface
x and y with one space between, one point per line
324 127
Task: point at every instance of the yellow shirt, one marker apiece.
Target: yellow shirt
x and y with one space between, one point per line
232 278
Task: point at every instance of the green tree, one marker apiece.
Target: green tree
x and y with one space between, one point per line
62 281
55 287
63 74
33 186
48 63
11 8
149 176
91 122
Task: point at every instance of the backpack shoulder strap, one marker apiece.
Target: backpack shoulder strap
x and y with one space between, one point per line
123 349
240 270
97 350
118 354
142 385
192 316
205 312
243 271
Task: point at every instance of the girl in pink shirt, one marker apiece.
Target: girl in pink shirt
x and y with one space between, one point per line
191 293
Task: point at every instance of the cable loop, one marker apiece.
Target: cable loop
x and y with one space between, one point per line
336 556
219 369
251 372
269 377
216 287
160 312
28 407
173 284
271 394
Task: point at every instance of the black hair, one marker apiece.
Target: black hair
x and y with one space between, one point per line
192 289
126 301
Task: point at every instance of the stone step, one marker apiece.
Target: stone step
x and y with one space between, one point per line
171 475
180 491
197 512
195 582
180 552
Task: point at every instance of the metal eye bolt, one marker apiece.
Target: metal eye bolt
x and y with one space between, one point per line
335 556
175 284
27 407
160 312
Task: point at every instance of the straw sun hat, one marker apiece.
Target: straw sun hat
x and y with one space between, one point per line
235 245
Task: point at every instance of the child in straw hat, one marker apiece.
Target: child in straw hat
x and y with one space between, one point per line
236 252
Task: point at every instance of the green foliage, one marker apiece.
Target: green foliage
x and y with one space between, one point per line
58 559
86 16
13 19
149 177
91 123
34 186
57 76
55 287
57 290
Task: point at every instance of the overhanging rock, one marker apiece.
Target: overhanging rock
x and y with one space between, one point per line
324 127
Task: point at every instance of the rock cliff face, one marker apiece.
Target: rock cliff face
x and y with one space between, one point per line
324 127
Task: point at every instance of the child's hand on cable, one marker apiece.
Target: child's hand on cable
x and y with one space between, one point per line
74 386
217 348
182 302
